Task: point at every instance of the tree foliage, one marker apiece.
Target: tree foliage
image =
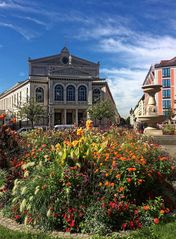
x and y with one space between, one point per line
31 110
102 110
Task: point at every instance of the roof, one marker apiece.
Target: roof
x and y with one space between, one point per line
63 52
17 85
165 63
151 71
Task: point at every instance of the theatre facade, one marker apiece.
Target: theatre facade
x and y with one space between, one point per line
64 84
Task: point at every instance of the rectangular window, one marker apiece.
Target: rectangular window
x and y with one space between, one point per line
166 104
165 112
166 93
166 72
166 83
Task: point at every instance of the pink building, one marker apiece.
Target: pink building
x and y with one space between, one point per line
164 73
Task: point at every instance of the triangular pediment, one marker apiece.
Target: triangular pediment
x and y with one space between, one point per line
57 60
68 71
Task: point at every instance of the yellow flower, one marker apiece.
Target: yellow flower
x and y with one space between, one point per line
75 142
89 124
79 131
58 147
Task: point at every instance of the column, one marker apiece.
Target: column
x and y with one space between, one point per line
76 117
65 96
65 116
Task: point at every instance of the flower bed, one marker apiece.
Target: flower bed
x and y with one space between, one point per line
92 181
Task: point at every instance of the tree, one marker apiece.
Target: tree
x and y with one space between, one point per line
102 110
31 111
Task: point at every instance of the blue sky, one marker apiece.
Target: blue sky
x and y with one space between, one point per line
126 36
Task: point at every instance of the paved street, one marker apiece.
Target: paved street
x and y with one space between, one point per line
171 149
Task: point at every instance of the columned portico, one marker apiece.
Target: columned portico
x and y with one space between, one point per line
69 116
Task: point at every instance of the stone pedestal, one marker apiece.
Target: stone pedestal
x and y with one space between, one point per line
150 131
151 117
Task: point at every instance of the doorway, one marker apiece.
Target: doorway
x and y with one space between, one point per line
80 118
69 118
57 118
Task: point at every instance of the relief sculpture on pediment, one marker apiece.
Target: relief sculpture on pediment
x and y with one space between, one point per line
68 71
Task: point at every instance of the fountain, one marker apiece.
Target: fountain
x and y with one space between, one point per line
151 118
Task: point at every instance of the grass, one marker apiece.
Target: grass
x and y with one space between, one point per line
161 231
9 234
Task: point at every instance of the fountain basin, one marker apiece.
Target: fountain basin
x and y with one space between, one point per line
152 121
151 88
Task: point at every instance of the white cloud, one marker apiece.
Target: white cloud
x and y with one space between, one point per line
137 51
125 85
32 19
22 31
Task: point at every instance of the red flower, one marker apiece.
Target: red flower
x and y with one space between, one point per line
112 204
131 224
72 223
17 217
129 180
156 220
124 225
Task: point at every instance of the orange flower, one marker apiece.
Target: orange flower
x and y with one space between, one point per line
67 143
89 124
146 207
79 131
131 169
100 184
106 183
113 164
162 211
106 174
121 189
122 158
112 184
118 176
107 157
140 181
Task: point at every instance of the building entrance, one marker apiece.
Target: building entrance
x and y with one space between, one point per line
57 118
69 118
80 117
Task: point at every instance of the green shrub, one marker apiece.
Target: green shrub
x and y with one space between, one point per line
169 129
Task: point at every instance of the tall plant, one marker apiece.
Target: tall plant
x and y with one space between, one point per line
31 110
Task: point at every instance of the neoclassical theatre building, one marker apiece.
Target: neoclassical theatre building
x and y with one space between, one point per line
64 84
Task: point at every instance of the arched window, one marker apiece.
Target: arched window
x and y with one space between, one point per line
96 95
70 93
39 93
82 93
59 93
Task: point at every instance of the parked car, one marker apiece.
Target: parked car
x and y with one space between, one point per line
24 129
63 126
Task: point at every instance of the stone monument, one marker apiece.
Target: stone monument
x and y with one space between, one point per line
151 118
